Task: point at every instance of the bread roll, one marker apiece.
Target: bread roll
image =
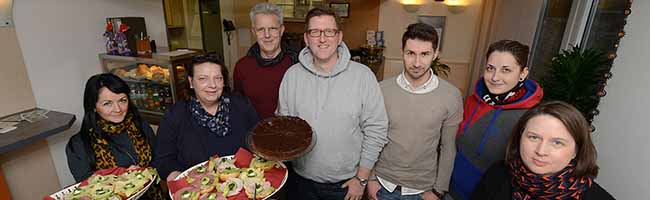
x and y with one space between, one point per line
143 71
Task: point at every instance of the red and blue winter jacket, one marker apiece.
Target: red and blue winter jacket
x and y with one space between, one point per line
483 135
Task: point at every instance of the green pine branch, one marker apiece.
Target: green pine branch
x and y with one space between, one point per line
575 76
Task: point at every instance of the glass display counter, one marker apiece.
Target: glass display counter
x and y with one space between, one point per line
156 82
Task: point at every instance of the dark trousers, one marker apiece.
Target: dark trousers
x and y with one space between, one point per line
384 194
290 187
310 190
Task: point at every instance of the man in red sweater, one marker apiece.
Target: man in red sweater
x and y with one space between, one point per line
258 74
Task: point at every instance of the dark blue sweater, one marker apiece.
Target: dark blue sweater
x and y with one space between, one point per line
182 143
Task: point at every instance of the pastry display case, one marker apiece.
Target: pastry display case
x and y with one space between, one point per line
156 82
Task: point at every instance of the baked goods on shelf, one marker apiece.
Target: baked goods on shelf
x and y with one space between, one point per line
281 138
121 73
180 73
145 72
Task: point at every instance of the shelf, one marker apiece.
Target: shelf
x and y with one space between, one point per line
151 112
176 27
145 81
153 97
151 116
302 20
161 58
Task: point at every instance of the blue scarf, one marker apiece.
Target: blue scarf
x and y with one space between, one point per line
219 123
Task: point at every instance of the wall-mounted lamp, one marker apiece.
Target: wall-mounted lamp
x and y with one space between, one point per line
455 6
411 6
6 6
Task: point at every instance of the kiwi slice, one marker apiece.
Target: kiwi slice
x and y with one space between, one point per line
251 173
205 181
200 169
186 195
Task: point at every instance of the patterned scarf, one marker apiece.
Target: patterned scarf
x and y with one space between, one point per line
513 95
528 185
219 123
104 157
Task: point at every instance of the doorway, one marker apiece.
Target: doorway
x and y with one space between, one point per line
194 24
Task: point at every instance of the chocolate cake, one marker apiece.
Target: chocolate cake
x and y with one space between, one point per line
281 138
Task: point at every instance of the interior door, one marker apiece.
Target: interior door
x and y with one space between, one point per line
211 26
516 20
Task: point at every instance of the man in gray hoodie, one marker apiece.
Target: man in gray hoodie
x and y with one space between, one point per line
343 103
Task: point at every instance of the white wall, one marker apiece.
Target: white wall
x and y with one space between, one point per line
459 33
622 134
229 51
60 41
457 41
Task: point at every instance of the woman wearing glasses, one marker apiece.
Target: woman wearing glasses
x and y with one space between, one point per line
213 121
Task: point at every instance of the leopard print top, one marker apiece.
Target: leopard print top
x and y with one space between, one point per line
105 159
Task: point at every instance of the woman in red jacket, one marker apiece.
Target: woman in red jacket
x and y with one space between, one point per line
499 99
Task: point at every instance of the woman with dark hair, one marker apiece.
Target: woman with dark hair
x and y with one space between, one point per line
500 97
550 155
213 121
112 132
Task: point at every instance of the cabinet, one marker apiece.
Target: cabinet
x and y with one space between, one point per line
156 83
174 13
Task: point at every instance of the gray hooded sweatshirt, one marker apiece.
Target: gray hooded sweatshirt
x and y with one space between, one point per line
345 109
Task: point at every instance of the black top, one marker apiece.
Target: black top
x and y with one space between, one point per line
124 151
183 143
495 184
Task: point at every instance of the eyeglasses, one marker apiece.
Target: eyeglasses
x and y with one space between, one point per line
274 31
329 32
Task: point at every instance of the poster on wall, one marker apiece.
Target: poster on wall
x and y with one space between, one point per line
438 23
341 9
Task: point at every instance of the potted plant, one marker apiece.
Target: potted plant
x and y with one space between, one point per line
577 76
440 69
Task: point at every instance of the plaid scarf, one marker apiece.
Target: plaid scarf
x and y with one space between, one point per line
511 96
561 185
219 123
